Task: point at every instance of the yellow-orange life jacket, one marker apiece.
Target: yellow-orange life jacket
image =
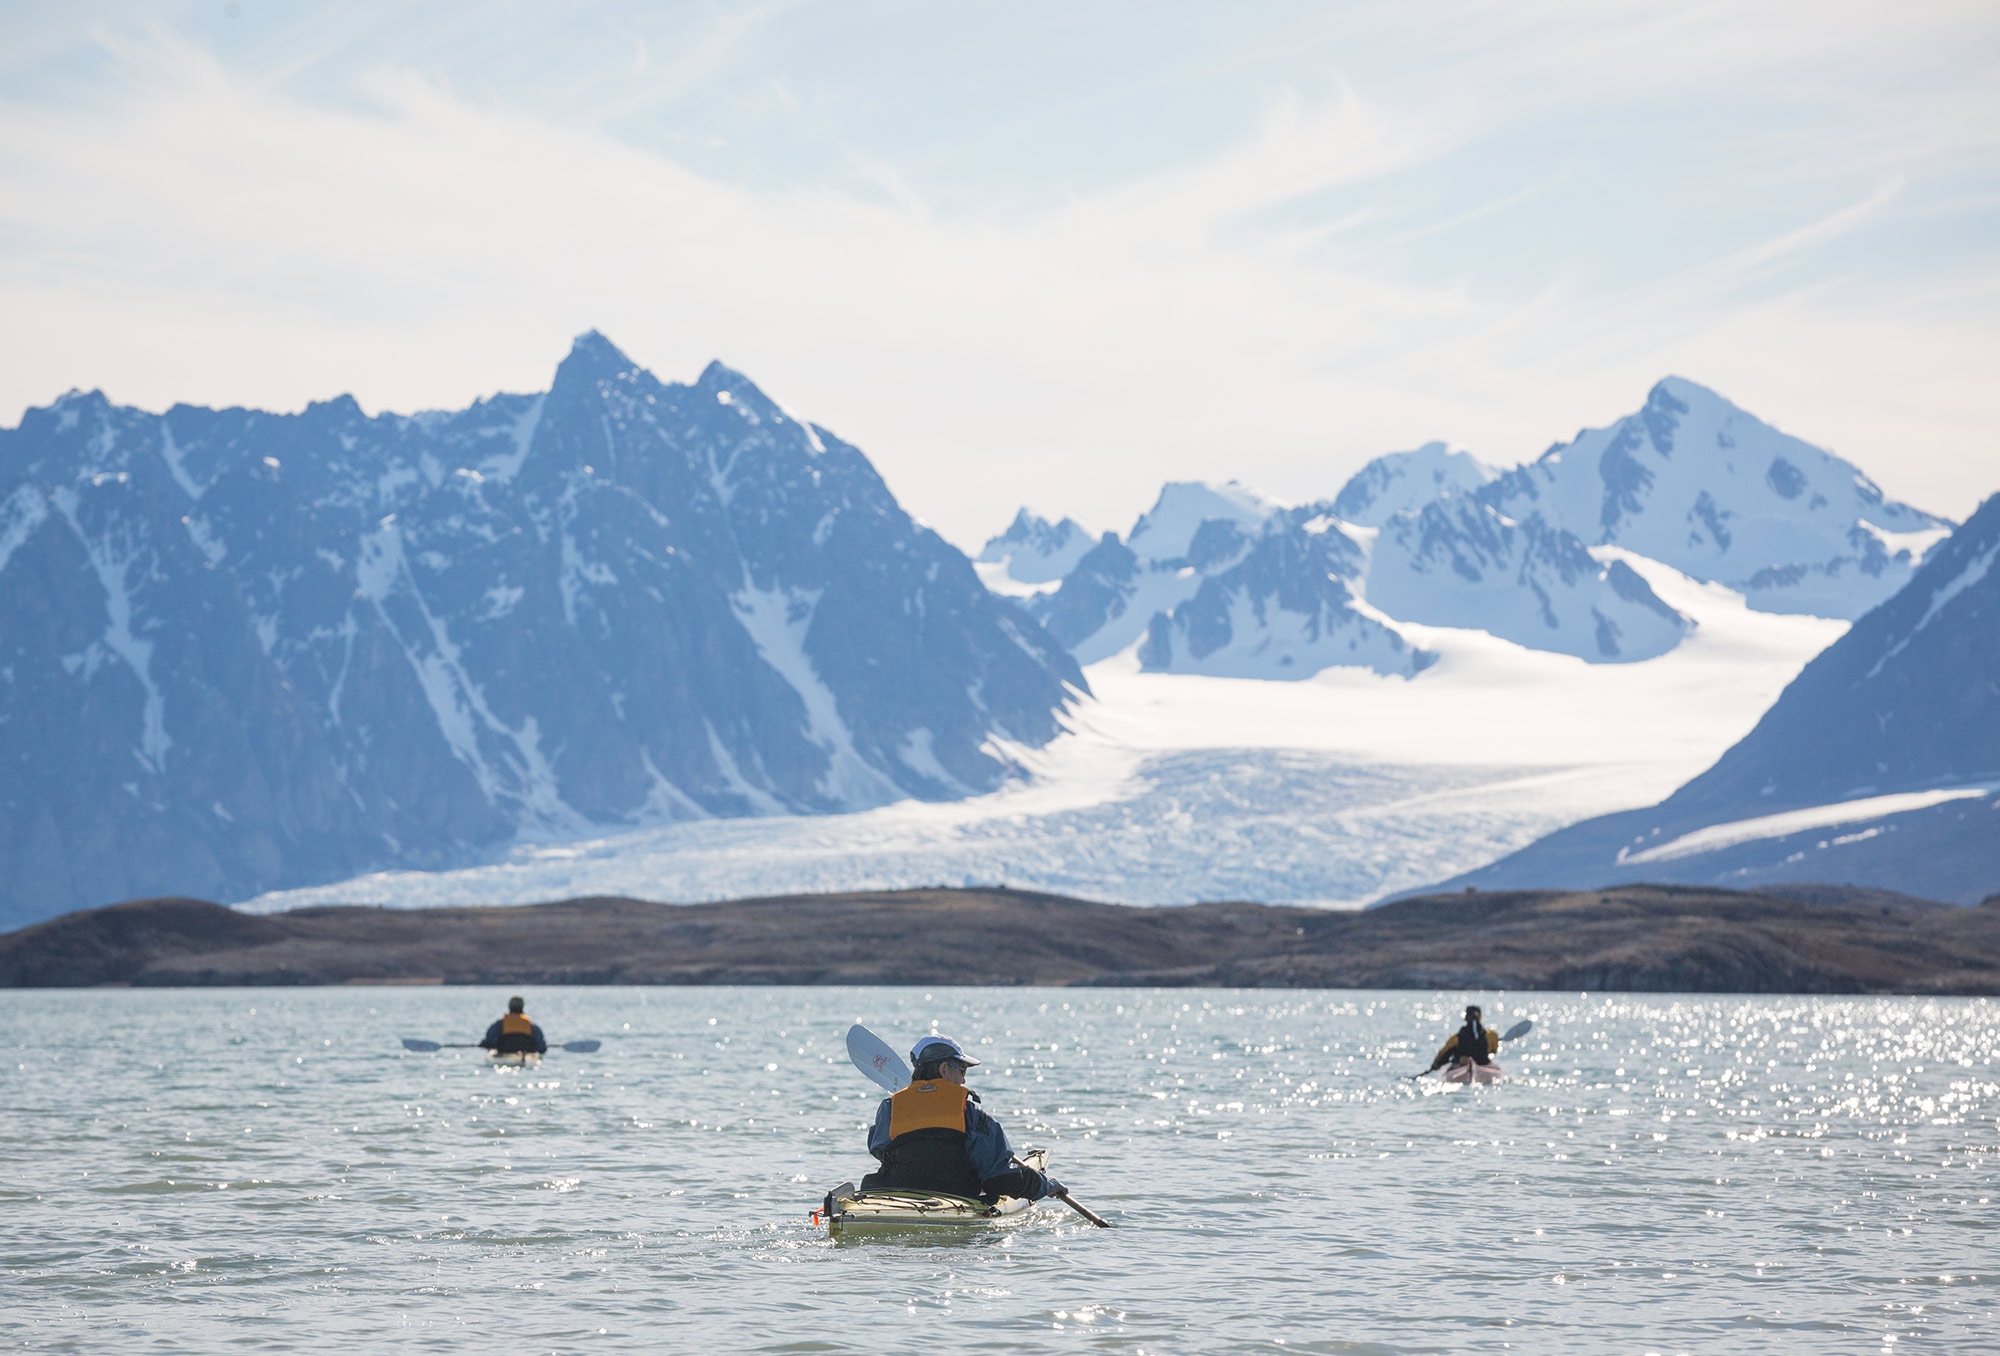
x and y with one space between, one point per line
936 1105
927 1142
516 1024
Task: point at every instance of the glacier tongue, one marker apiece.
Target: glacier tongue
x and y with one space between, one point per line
1336 790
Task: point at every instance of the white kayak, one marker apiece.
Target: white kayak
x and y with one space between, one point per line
1465 1071
524 1059
850 1212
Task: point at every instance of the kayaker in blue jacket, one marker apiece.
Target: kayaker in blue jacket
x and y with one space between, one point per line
514 1034
933 1136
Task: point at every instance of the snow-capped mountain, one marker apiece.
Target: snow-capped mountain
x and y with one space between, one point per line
1033 552
241 649
1695 482
1878 765
1177 528
1458 562
1540 555
1279 606
1109 599
1405 482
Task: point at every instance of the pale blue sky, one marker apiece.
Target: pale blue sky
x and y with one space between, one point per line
1052 254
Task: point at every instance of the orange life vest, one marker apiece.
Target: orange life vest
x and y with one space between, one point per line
516 1024
927 1106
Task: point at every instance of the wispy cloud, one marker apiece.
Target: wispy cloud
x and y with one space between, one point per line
1457 247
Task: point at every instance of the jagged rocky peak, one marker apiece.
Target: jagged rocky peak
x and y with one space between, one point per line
1035 551
249 650
1109 597
1458 562
1695 482
1282 604
1403 482
1166 531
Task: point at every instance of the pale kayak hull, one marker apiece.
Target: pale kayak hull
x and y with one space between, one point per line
853 1213
1474 1073
524 1059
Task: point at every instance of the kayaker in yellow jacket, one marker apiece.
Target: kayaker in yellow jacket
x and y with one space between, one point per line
934 1136
514 1034
1474 1043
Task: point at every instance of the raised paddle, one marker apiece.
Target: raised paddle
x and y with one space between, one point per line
425 1047
886 1069
872 1055
1514 1033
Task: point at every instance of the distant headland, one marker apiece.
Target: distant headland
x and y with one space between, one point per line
1824 939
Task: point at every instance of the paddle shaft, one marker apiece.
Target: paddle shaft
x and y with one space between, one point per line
1071 1201
1083 1210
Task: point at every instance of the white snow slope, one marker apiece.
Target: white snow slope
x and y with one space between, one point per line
1334 791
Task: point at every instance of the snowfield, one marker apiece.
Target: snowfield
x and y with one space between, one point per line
1167 789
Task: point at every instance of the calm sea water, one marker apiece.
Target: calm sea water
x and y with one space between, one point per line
268 1170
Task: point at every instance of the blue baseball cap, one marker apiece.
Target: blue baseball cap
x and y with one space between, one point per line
940 1047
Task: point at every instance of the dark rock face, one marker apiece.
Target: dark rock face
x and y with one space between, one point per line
1643 938
1095 590
1906 700
241 650
1879 764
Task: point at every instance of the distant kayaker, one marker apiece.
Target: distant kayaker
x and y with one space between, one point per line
514 1034
932 1136
1474 1043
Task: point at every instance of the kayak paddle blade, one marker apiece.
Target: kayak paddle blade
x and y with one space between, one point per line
421 1047
1518 1030
872 1055
582 1047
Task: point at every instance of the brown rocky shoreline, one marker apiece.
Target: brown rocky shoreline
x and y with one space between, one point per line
1641 938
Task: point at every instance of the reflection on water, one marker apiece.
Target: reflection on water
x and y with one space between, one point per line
203 1171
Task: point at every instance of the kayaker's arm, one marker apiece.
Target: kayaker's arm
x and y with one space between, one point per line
986 1145
1445 1051
492 1039
1024 1182
541 1041
878 1133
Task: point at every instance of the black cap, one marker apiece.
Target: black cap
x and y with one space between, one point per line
517 1004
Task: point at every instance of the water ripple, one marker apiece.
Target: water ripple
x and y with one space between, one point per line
268 1169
